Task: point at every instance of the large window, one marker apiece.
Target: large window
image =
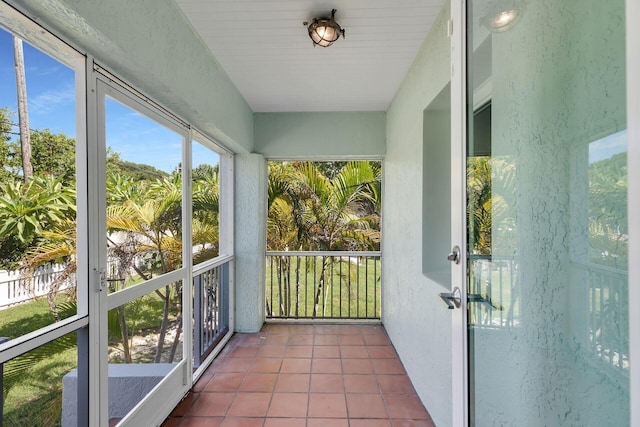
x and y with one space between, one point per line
38 191
43 258
107 200
205 181
144 197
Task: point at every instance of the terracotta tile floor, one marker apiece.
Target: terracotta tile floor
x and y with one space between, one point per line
304 376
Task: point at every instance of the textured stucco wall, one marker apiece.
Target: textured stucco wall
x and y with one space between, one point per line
250 241
149 44
416 320
558 84
320 135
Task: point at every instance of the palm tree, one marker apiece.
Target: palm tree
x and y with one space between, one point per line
150 216
206 217
337 211
308 211
59 245
154 225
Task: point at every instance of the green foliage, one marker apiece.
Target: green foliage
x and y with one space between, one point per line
491 205
9 151
309 211
53 154
205 172
608 220
491 208
36 398
32 385
12 251
351 290
28 209
330 169
135 171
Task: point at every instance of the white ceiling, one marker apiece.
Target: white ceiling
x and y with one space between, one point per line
268 54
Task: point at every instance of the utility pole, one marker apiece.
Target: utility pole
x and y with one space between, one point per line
23 111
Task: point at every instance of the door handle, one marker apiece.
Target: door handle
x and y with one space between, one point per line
479 298
452 299
454 256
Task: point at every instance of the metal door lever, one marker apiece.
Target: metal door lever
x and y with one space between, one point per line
479 298
452 299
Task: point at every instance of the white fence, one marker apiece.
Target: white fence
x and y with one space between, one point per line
17 286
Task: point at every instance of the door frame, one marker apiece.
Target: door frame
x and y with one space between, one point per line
633 197
459 351
178 381
457 25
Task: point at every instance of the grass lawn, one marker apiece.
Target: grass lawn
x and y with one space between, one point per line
33 397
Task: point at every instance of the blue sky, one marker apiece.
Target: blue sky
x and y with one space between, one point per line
50 88
51 103
608 146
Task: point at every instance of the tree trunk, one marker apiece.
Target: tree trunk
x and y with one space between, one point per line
280 290
124 331
165 323
176 341
319 292
298 258
287 286
23 111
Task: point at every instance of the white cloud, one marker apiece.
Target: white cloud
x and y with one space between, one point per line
51 100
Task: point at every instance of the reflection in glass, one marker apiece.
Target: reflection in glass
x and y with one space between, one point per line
206 199
144 197
608 235
547 216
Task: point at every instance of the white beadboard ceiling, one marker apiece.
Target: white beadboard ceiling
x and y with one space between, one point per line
266 51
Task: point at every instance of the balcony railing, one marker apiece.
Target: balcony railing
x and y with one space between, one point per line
605 313
494 278
210 307
323 285
599 316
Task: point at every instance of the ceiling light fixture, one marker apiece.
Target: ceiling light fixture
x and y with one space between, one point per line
324 31
504 16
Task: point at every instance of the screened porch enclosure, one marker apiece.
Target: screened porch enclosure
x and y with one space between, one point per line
164 301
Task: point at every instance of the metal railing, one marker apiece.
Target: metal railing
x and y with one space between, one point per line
598 312
604 311
323 285
494 279
210 307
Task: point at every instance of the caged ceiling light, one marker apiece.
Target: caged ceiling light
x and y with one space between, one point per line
324 31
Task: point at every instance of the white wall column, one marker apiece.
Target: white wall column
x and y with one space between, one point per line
250 241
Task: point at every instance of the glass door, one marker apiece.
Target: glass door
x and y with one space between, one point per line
147 257
548 339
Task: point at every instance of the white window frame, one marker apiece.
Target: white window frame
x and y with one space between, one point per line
225 238
16 23
177 382
93 84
